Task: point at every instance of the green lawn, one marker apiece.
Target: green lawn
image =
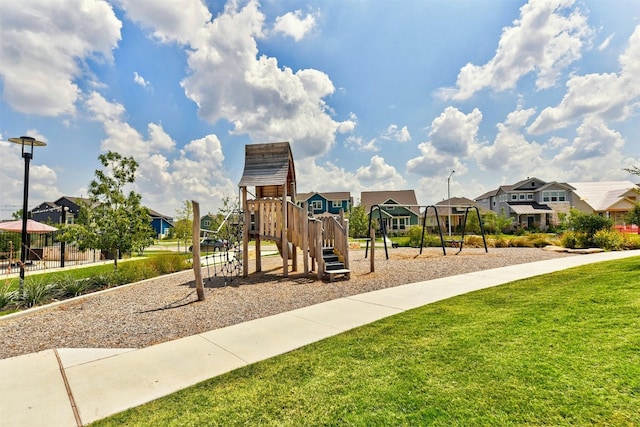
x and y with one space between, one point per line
561 349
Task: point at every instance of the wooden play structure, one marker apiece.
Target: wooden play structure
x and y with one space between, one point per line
272 215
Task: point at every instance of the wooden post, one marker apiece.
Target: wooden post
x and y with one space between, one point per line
283 239
373 250
197 269
305 238
245 234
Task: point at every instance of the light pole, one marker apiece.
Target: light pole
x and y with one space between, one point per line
449 199
27 156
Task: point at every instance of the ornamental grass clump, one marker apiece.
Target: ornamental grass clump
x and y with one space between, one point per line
8 296
37 291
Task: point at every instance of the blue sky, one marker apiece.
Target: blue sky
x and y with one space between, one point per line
372 95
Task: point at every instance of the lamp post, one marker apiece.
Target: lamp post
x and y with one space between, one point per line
27 156
449 199
63 221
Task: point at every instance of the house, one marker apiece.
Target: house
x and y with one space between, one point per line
207 222
453 208
612 199
533 203
398 208
326 203
161 224
64 210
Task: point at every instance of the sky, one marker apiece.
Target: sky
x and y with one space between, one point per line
371 94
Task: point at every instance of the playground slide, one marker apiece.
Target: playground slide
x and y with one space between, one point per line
289 252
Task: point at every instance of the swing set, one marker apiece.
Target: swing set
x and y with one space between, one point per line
458 242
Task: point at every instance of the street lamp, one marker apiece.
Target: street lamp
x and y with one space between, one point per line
27 156
449 198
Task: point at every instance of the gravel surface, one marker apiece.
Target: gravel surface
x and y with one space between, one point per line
166 308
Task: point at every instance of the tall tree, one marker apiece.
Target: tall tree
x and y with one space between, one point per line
113 221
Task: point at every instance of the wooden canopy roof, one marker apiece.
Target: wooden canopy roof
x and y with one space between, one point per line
269 167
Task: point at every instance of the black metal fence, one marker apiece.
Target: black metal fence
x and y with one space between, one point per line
43 252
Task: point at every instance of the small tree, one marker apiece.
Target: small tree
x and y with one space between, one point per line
183 226
633 216
112 221
588 224
502 221
358 222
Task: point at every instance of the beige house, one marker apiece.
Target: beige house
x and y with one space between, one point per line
612 199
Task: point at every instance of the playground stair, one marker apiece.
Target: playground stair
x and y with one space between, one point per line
332 264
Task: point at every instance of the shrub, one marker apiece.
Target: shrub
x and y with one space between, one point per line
631 241
501 242
588 225
474 241
573 240
70 287
610 240
37 291
415 235
7 296
169 263
522 242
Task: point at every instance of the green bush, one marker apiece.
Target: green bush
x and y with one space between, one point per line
169 263
37 291
574 240
631 241
588 226
610 240
70 286
415 236
8 296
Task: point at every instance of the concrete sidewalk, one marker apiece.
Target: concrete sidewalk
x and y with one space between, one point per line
72 387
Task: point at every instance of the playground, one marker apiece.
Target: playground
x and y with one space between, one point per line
166 308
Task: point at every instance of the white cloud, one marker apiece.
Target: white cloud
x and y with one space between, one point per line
294 25
138 79
594 140
608 96
511 150
431 162
379 174
42 179
605 43
197 172
546 39
358 143
252 92
393 133
175 20
43 48
453 132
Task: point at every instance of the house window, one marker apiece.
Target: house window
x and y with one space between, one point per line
521 196
529 196
399 223
514 197
554 196
336 204
316 205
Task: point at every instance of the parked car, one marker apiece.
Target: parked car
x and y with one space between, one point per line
211 245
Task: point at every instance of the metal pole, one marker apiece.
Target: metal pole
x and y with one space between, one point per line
449 199
25 197
62 243
27 156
